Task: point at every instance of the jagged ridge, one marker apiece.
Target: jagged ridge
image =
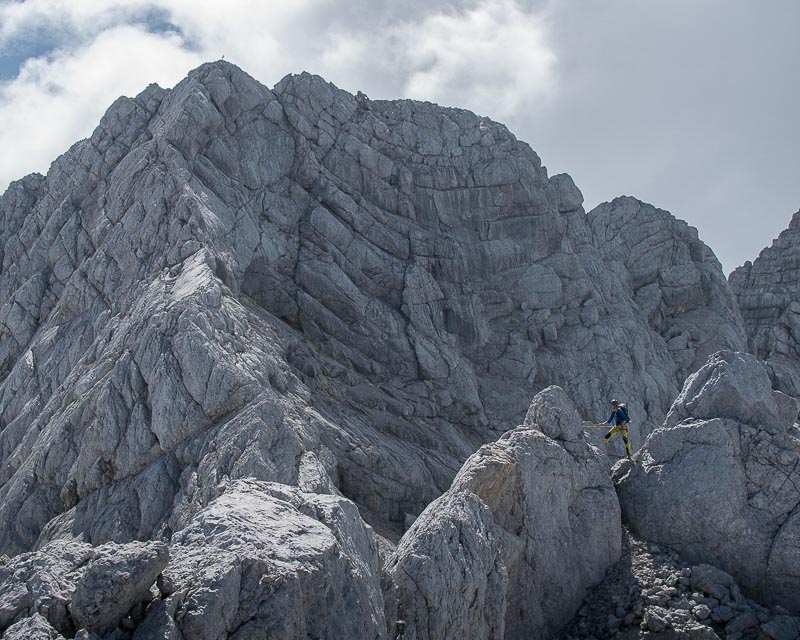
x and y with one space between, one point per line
320 293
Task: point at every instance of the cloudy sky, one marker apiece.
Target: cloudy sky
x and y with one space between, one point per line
691 105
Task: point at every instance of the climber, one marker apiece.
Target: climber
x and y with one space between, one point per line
619 417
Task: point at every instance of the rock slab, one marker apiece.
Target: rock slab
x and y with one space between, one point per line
720 481
529 524
768 293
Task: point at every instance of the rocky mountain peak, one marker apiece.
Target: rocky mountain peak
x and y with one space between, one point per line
674 279
236 309
767 291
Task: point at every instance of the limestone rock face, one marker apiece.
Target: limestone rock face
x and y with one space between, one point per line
268 561
674 279
299 286
68 586
719 481
529 524
244 322
768 292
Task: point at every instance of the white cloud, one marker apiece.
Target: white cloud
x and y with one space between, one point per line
63 19
56 101
494 58
491 57
488 55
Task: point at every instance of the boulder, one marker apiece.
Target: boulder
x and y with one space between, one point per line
733 386
112 584
718 483
529 524
76 586
553 413
715 583
34 627
254 563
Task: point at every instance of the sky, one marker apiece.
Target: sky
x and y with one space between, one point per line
690 105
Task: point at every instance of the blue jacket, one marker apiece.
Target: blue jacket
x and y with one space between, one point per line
617 416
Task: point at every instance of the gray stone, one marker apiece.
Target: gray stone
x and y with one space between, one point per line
554 414
73 585
656 619
742 622
300 287
700 633
733 386
35 627
768 293
722 613
782 627
723 490
254 563
447 575
527 527
675 280
319 306
715 582
701 612
113 584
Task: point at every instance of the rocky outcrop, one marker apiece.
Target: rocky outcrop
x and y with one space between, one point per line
68 586
246 322
262 560
674 279
768 292
34 628
295 285
529 524
268 561
652 593
720 481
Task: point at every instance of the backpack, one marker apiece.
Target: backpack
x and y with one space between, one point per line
624 408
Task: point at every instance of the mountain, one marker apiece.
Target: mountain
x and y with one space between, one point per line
247 336
768 293
674 279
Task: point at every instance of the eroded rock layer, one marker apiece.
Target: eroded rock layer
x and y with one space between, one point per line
530 523
674 279
719 482
300 286
768 292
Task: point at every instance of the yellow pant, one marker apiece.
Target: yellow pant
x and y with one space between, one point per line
623 430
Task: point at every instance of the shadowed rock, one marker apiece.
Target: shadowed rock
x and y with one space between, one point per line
34 628
720 482
74 586
768 292
511 548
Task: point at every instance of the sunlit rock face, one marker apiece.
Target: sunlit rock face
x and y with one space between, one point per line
320 294
300 286
674 279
